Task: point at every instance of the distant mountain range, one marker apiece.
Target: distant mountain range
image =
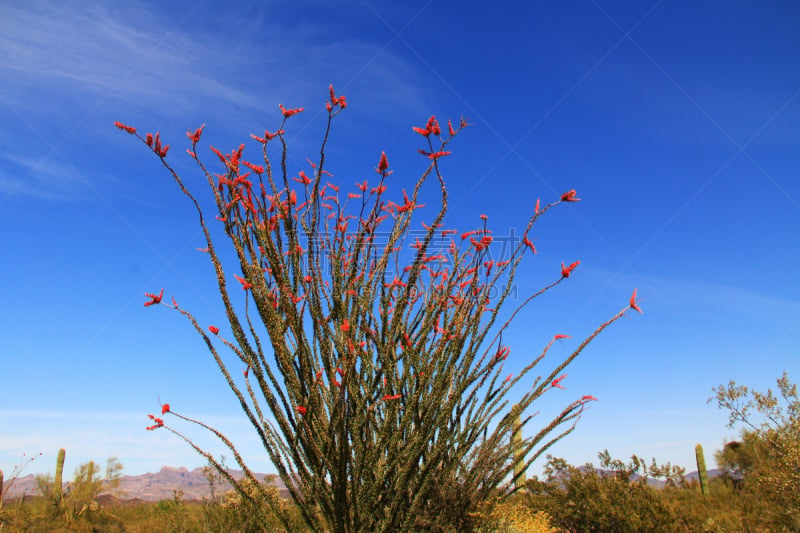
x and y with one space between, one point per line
153 487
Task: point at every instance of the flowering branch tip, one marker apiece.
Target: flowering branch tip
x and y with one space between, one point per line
154 298
569 196
633 303
567 270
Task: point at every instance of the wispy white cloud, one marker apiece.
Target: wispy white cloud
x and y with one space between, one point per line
47 178
68 67
132 56
691 298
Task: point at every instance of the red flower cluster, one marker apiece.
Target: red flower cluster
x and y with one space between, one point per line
437 155
300 409
123 127
155 144
528 243
569 196
245 284
633 303
383 165
165 409
289 112
485 241
431 127
213 329
567 270
340 101
195 137
154 298
267 136
158 423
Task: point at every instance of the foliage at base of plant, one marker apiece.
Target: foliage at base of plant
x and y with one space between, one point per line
508 516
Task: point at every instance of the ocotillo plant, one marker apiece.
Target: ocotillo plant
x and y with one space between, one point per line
15 473
701 469
380 379
57 481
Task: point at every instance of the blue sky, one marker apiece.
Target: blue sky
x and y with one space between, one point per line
675 122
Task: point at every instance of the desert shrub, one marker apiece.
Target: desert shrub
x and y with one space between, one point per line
765 464
615 499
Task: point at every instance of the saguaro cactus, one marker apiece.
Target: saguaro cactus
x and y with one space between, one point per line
519 454
57 482
701 469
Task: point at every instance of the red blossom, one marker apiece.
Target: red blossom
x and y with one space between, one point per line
165 409
589 398
561 336
557 382
424 132
528 243
450 129
345 327
245 284
213 329
124 127
195 136
289 112
149 140
258 169
383 165
392 397
485 241
502 353
433 126
305 180
158 423
154 298
301 410
437 155
633 303
567 270
341 101
569 196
